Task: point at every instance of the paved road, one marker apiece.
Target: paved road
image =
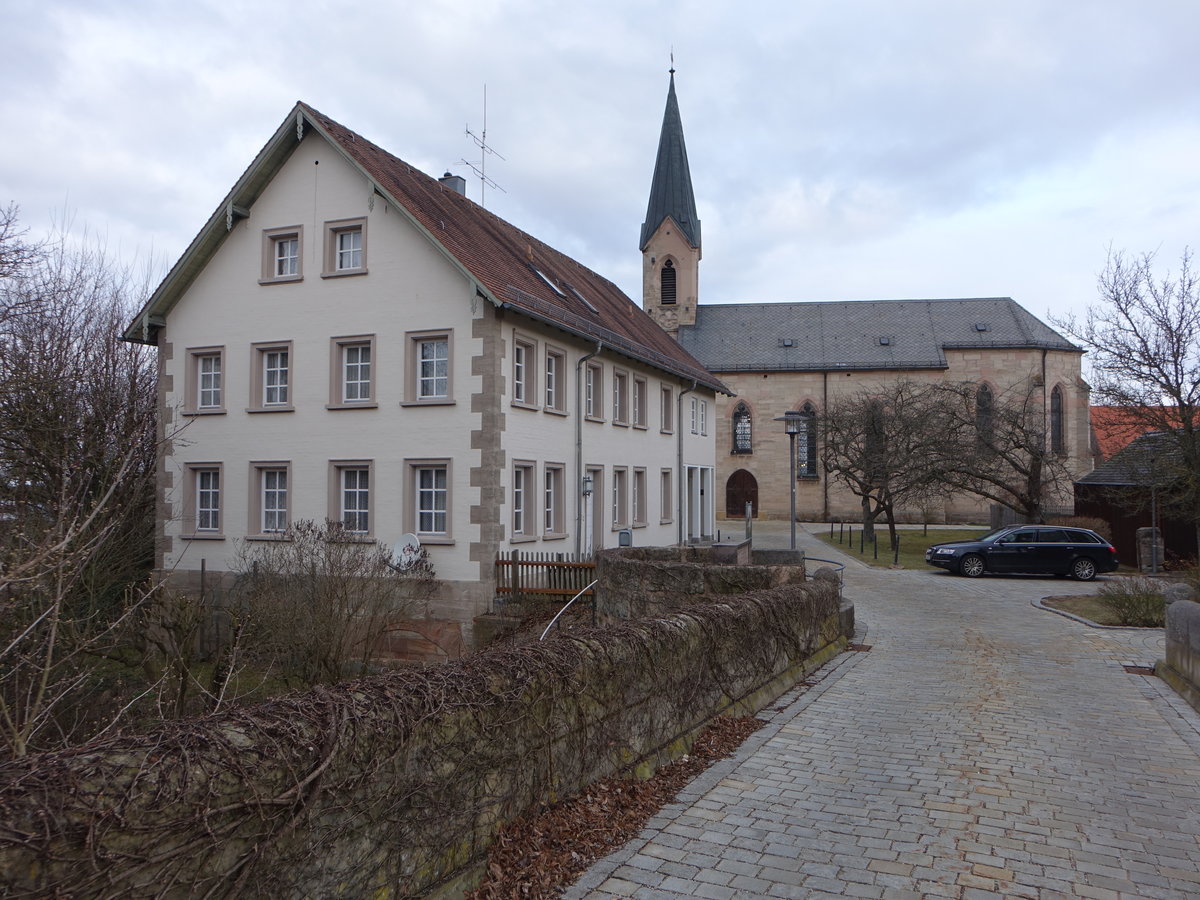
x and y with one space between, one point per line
982 747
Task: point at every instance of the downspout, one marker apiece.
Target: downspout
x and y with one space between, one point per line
680 481
579 446
824 474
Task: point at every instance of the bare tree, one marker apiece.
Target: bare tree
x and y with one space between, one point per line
1143 344
77 459
1001 453
882 444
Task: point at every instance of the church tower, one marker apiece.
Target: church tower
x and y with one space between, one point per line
671 233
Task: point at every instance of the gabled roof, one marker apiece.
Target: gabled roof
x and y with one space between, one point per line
858 334
671 188
1146 459
502 261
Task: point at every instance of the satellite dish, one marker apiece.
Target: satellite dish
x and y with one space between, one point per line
408 551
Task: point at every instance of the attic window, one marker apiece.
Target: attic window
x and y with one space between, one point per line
582 299
786 342
550 284
885 341
981 326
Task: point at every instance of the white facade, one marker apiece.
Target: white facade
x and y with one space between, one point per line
331 360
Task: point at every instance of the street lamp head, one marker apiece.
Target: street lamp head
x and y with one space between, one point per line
792 420
587 485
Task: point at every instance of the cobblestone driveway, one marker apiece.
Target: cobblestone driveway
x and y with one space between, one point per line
982 747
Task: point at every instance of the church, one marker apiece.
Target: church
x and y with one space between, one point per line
802 356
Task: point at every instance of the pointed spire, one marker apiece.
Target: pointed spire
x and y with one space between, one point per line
671 189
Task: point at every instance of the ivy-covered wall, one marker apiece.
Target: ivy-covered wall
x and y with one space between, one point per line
393 786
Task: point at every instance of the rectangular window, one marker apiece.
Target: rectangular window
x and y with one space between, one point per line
666 410
552 495
269 498
356 373
620 397
667 511
355 511
208 499
695 415
345 247
592 391
287 257
524 500
704 417
275 377
639 402
271 380
429 370
431 506
274 488
201 500
352 372
282 254
524 391
209 368
639 496
204 381
349 250
619 497
556 363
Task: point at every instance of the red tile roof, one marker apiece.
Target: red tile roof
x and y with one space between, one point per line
1113 428
506 261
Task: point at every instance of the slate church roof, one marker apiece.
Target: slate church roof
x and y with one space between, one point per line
859 334
671 187
509 268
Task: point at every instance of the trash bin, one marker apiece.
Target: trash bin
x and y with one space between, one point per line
625 537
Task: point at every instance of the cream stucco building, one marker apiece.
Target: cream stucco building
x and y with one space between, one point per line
777 357
348 338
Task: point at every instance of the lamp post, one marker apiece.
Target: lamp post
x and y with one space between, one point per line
792 420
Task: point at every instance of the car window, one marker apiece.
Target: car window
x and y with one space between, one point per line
1082 537
995 533
1023 537
1053 536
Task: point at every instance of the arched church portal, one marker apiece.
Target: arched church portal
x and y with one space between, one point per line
740 489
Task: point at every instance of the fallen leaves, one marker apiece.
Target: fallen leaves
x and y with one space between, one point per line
538 855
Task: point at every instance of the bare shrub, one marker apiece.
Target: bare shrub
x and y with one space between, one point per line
320 600
1134 601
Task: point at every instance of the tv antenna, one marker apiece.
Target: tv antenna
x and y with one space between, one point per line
480 168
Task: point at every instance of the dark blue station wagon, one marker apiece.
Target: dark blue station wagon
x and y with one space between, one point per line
1033 549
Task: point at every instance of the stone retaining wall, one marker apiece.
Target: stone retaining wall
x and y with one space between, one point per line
635 582
393 786
1181 668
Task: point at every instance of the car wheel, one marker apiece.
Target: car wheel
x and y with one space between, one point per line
971 565
1083 569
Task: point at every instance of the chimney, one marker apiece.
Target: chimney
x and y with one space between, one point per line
455 183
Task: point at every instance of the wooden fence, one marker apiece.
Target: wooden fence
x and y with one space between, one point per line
527 576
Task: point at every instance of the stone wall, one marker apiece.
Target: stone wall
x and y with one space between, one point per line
393 786
634 582
1181 668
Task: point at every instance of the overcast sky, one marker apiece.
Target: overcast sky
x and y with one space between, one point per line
839 150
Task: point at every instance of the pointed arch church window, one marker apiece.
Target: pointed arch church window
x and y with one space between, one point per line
742 436
806 443
984 414
1056 421
667 280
